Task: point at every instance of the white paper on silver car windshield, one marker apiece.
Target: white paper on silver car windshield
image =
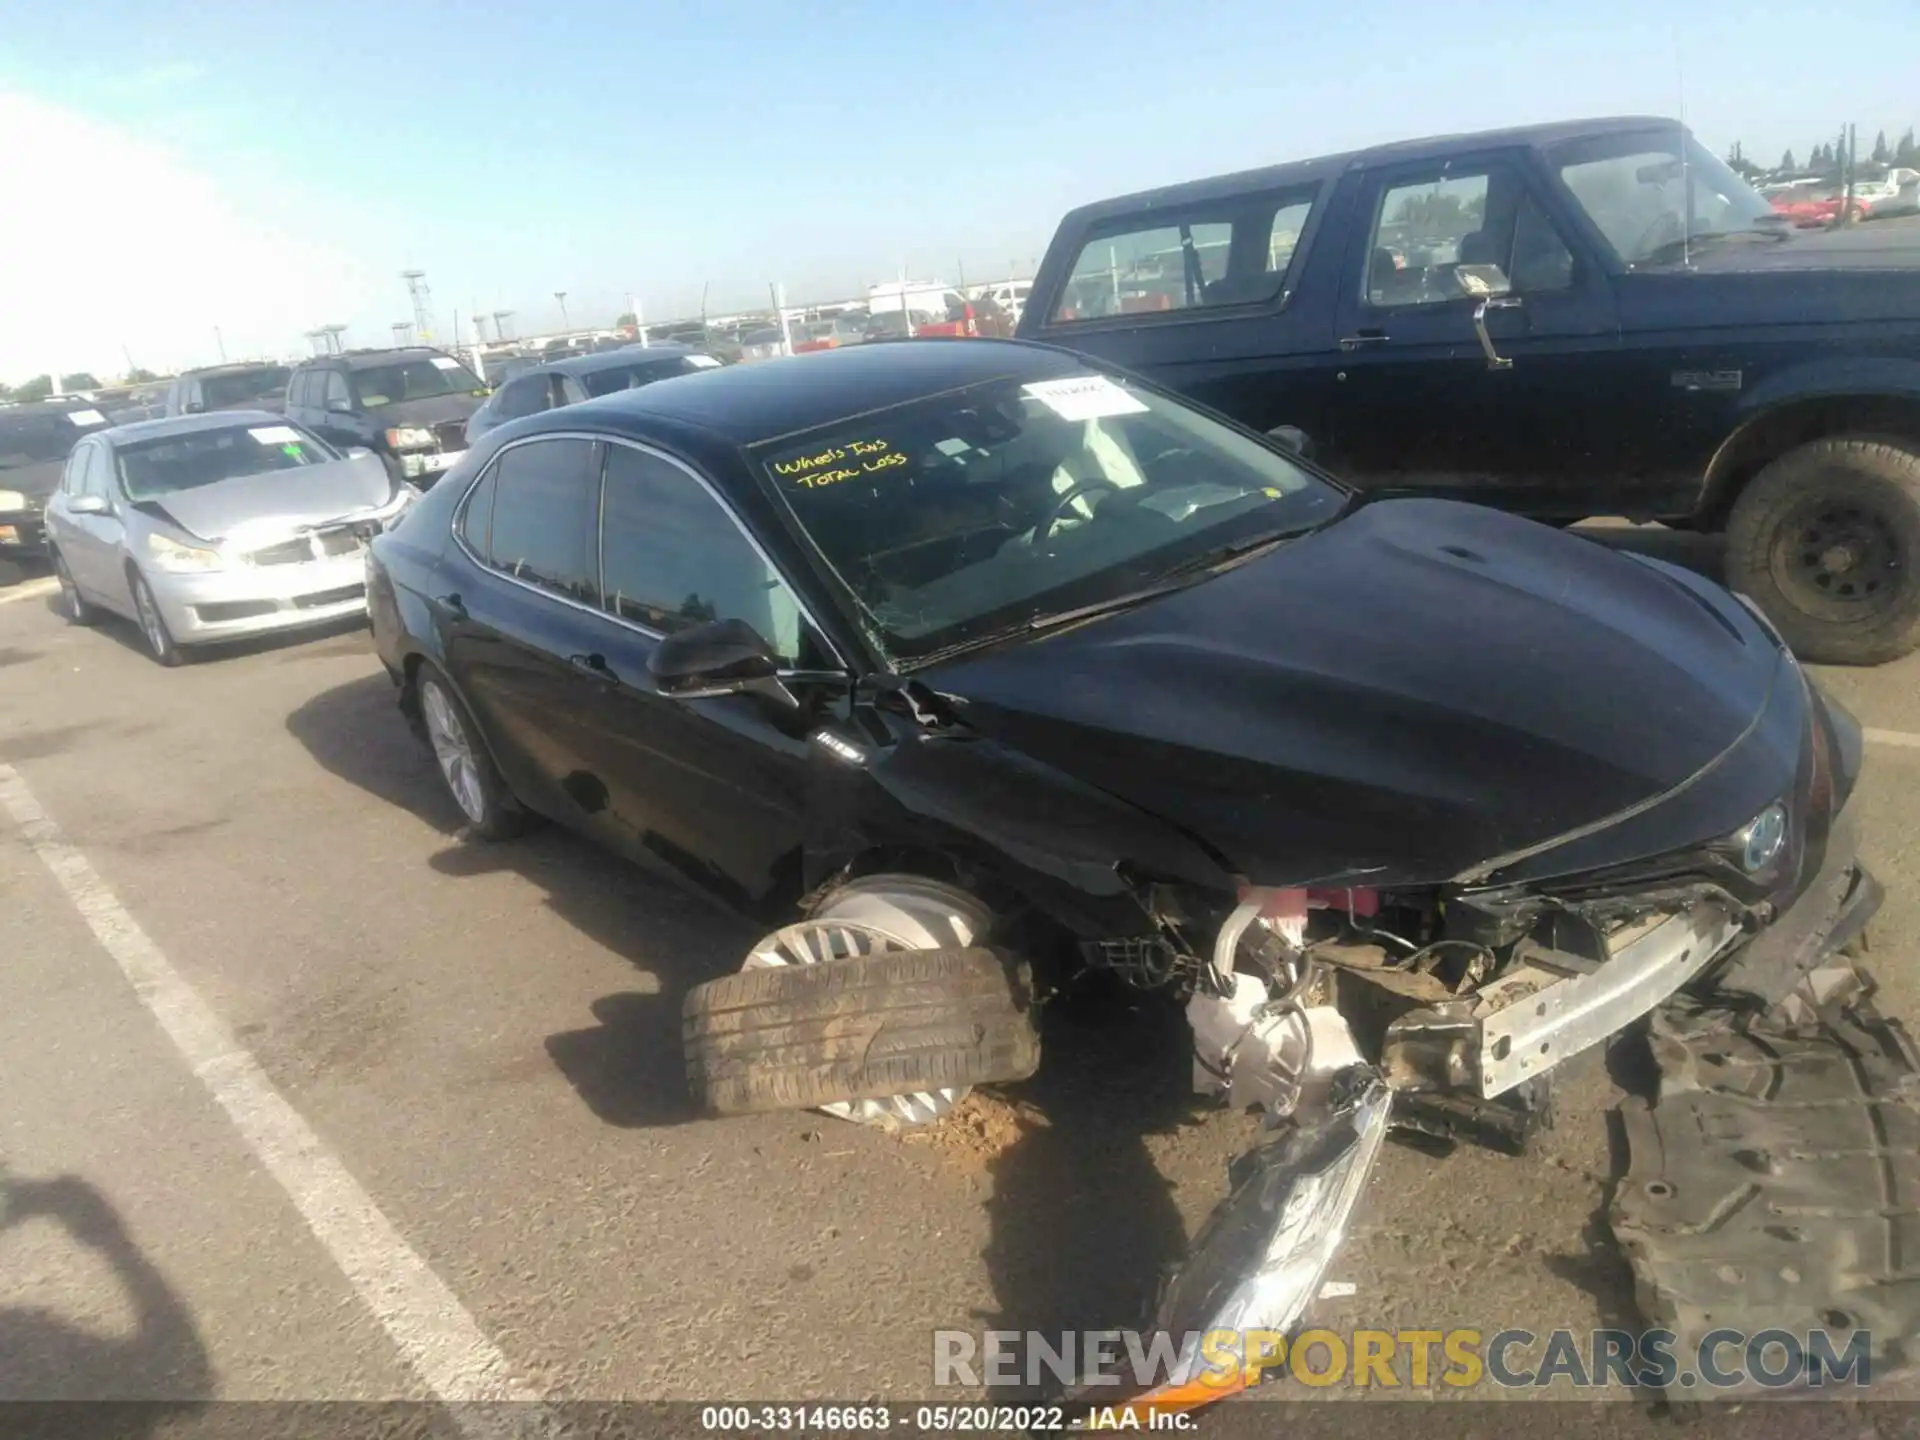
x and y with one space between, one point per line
1084 397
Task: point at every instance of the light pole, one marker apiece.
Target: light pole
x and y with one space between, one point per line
500 318
561 296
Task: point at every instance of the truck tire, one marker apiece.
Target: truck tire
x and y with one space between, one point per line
866 1027
1826 540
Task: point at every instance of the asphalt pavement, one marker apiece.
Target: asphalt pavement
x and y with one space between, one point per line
303 1095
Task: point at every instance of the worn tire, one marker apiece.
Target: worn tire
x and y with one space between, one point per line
863 1028
1869 474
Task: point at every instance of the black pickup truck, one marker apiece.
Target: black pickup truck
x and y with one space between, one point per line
1589 318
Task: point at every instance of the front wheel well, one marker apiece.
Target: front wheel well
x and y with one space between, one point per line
1785 427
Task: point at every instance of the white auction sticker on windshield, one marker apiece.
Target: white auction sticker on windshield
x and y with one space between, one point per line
276 435
1085 397
703 362
441 362
86 417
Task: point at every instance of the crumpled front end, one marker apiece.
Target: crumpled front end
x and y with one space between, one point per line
1337 1010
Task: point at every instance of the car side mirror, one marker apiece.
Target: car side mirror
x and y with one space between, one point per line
722 657
1483 282
88 505
1292 438
339 407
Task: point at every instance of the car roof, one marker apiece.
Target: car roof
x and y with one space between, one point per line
620 359
383 355
33 408
188 424
749 404
1323 167
234 367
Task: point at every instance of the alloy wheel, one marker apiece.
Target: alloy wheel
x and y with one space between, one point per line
821 942
453 751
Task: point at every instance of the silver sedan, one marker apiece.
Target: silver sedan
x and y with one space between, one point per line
208 527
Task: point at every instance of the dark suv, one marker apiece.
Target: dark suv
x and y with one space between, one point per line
409 406
250 385
35 441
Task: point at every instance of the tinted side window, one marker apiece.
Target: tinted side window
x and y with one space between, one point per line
524 396
336 389
301 392
478 518
674 557
1236 252
545 503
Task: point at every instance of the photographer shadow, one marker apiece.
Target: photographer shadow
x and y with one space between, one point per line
151 1374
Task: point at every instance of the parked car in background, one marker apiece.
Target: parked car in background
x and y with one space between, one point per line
35 440
830 334
250 385
1881 199
969 319
969 668
765 343
1811 207
1009 295
586 377
208 527
408 405
1589 318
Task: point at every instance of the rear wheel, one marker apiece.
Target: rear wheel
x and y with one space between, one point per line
71 600
1826 540
465 765
153 625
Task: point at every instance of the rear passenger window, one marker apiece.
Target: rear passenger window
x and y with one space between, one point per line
478 518
1238 252
545 513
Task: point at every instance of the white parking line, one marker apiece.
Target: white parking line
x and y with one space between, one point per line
30 590
426 1321
1892 737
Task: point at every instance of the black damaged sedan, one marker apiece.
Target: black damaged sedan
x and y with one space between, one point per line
972 665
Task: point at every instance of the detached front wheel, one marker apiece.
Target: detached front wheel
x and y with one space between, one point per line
1826 540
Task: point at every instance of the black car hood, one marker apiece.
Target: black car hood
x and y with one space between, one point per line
1400 697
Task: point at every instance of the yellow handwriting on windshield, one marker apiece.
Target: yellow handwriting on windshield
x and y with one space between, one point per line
867 447
871 464
806 463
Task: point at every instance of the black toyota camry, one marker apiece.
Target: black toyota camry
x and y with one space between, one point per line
984 649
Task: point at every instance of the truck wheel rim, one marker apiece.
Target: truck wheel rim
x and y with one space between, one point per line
453 752
821 942
1839 560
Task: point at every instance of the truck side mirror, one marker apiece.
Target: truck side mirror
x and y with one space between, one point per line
1483 282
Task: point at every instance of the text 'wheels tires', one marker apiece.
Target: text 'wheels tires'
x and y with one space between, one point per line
153 625
879 1025
71 600
463 762
1826 540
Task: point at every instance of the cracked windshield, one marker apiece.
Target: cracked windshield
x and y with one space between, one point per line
1265 755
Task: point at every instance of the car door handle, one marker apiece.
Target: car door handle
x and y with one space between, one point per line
594 667
1363 337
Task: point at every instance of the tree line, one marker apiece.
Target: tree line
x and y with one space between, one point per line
1825 158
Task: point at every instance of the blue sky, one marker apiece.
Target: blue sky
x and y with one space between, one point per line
514 150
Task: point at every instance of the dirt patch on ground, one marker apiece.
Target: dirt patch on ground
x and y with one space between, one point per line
980 1129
